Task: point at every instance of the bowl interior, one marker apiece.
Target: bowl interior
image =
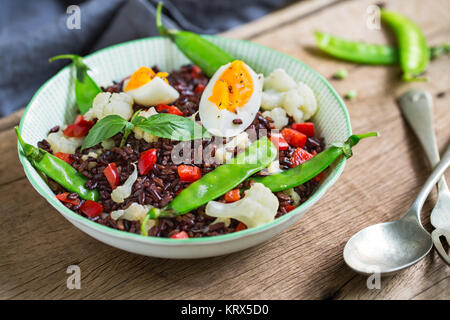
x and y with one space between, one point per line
54 104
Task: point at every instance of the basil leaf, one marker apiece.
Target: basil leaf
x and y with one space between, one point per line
104 128
171 126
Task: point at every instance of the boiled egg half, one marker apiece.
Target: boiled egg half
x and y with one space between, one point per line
149 88
231 99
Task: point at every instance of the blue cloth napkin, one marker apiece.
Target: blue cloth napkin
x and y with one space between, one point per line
33 31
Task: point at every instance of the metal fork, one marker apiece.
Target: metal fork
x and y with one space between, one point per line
416 106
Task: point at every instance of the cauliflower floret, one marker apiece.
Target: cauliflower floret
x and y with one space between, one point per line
294 196
60 143
135 212
259 206
141 134
278 115
119 194
271 99
107 103
281 91
279 80
225 153
300 103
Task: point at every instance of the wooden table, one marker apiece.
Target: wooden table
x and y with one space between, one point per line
305 262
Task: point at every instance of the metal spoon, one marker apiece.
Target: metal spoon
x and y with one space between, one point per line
417 107
389 247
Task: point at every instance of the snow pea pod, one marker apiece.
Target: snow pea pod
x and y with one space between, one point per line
206 55
85 87
354 51
309 169
57 169
221 180
414 54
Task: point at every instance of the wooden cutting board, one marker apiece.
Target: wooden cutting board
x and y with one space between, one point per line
305 262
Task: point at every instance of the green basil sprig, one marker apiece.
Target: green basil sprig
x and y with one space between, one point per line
164 125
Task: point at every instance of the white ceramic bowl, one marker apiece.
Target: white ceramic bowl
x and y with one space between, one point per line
54 104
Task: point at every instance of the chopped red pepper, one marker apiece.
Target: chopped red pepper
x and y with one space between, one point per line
278 140
240 227
299 156
319 177
170 109
233 195
146 161
112 175
64 156
189 173
195 71
199 88
63 198
79 128
91 208
305 128
294 137
289 207
180 235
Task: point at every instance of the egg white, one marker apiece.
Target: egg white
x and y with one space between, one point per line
154 92
219 122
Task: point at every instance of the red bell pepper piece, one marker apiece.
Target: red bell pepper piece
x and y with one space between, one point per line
299 156
233 195
305 128
79 128
289 207
189 173
199 88
278 140
180 235
91 208
195 71
64 156
294 137
63 198
112 175
170 109
240 227
319 177
146 161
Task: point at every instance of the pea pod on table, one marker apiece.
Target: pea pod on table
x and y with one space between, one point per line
206 55
412 44
219 181
85 87
60 171
309 169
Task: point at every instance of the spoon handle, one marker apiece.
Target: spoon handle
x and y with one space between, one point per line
431 181
417 107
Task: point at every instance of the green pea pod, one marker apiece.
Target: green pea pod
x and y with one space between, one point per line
356 51
309 169
85 87
206 55
57 169
222 179
414 54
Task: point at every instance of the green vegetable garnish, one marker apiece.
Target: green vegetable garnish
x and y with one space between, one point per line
309 169
162 125
206 55
85 87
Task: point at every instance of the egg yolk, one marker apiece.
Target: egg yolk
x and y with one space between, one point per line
143 76
234 87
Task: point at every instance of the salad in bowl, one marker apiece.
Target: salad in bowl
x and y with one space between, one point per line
217 147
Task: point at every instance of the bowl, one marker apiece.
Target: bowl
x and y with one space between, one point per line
54 104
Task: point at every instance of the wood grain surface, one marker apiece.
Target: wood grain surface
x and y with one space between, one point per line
305 262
